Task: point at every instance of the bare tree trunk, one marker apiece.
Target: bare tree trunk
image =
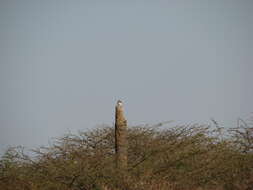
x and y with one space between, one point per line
120 136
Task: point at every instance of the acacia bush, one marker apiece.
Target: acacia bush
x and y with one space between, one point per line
159 158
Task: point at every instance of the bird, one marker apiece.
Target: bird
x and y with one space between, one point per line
119 103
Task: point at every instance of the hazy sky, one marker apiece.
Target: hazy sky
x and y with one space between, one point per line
64 64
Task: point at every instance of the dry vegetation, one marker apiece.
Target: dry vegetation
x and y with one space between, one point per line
159 158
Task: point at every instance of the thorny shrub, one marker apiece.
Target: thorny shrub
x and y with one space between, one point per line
159 158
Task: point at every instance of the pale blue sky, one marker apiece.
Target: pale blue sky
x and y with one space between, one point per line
64 64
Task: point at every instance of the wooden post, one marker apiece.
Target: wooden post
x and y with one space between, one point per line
120 136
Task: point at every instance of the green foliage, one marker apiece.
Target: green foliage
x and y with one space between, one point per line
181 157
